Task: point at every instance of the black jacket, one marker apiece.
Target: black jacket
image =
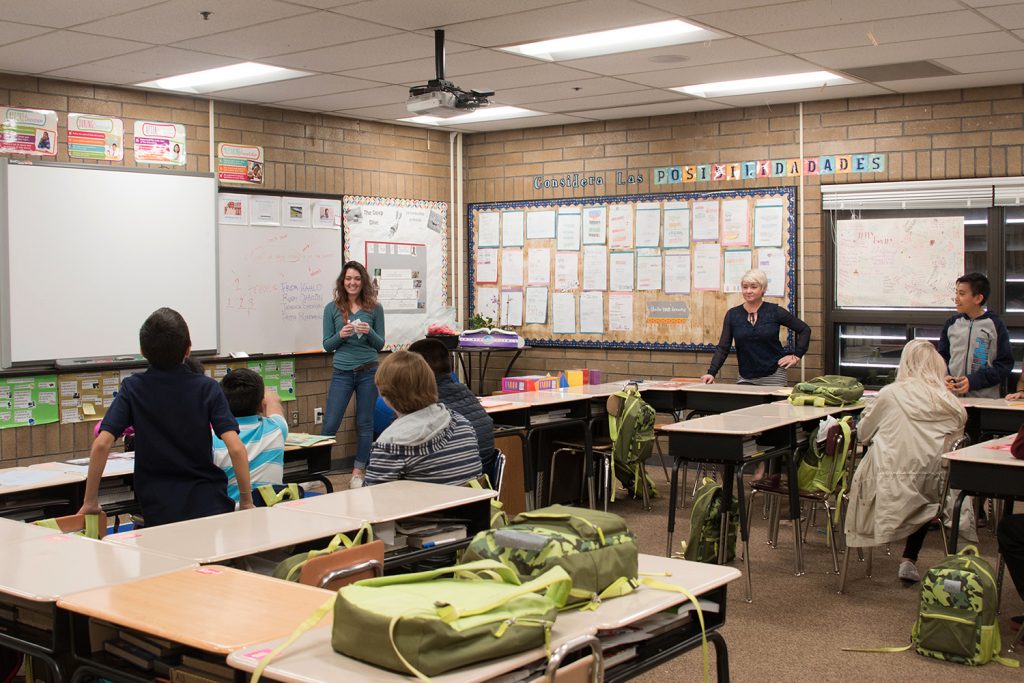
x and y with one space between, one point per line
459 399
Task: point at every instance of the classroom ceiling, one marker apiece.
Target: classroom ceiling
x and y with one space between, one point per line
365 54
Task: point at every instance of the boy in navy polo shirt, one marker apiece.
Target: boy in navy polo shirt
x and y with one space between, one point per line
172 410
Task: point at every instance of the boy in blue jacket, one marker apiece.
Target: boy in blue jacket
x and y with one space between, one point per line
172 410
975 343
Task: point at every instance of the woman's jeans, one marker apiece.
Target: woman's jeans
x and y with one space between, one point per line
343 384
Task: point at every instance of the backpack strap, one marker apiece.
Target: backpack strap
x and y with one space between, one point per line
272 498
661 585
311 621
365 531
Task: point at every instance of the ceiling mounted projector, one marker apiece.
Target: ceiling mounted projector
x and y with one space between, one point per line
440 97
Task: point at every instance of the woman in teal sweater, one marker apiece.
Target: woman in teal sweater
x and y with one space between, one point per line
354 331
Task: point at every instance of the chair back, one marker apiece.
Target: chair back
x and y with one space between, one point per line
71 524
834 444
345 566
499 470
588 669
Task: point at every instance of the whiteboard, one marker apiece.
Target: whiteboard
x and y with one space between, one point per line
899 262
91 252
274 283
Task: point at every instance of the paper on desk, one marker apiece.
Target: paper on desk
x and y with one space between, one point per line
25 477
999 446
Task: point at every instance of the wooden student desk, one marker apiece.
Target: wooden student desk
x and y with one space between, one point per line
982 471
213 609
309 463
311 660
38 493
235 534
720 439
37 572
987 416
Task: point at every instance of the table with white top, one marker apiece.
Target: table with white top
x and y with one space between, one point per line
33 492
674 397
981 470
988 416
233 535
310 659
37 572
12 531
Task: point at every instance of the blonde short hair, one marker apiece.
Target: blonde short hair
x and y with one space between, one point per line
406 382
755 276
920 360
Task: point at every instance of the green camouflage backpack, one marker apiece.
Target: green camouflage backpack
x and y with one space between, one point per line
631 427
827 390
705 528
594 547
816 464
957 617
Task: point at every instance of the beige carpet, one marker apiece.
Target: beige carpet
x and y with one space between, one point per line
796 626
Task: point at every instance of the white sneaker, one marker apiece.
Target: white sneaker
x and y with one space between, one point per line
355 482
908 572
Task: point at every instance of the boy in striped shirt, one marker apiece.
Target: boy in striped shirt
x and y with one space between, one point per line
262 429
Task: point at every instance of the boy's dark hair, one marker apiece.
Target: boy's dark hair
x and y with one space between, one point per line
164 338
243 388
978 283
195 366
435 353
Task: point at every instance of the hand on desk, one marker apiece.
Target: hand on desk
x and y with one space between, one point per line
1017 395
708 379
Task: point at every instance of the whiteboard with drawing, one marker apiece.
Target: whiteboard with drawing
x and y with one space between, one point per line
898 262
279 259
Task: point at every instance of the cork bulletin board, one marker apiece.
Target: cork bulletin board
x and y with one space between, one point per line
654 271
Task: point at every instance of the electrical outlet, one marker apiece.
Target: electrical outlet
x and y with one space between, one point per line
318 416
295 418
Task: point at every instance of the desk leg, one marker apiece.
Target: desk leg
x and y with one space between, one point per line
588 464
954 523
721 656
794 507
530 471
744 530
673 492
482 372
728 472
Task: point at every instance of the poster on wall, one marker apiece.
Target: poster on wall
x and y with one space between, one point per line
159 143
240 164
413 236
28 131
85 396
28 401
95 137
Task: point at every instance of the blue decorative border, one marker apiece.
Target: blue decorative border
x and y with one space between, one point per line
788 192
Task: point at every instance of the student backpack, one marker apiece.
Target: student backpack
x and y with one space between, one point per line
705 527
816 463
631 427
827 390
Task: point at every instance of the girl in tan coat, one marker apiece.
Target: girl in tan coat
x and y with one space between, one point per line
896 489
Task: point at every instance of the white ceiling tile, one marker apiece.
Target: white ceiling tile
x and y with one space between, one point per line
659 109
170 22
385 112
988 3
285 36
913 50
709 73
459 64
60 49
344 58
11 32
146 65
430 14
527 122
558 91
390 94
808 95
985 63
622 99
555 21
61 13
295 88
813 13
947 24
695 7
323 4
693 54
1007 16
955 82
524 77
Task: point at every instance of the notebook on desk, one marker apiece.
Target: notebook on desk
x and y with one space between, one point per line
300 439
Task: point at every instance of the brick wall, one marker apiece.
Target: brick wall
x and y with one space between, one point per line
304 152
926 136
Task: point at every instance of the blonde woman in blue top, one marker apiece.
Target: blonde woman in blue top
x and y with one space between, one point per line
354 331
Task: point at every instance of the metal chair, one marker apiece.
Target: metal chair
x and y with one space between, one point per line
589 668
344 566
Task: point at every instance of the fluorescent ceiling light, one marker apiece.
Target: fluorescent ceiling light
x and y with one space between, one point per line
485 114
643 37
223 78
749 86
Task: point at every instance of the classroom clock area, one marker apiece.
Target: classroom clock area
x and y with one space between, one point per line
561 340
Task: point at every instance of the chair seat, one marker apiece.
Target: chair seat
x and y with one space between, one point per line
781 488
600 443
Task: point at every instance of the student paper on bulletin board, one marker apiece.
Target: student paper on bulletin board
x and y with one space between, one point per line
512 307
540 225
677 225
538 267
511 228
28 401
648 270
567 271
620 226
648 225
594 224
563 306
592 312
568 228
773 262
705 220
487 302
488 234
511 267
620 271
707 267
487 266
677 272
737 262
85 396
595 268
536 311
735 230
620 311
768 219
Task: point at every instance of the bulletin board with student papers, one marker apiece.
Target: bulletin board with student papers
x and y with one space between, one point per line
403 244
652 271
